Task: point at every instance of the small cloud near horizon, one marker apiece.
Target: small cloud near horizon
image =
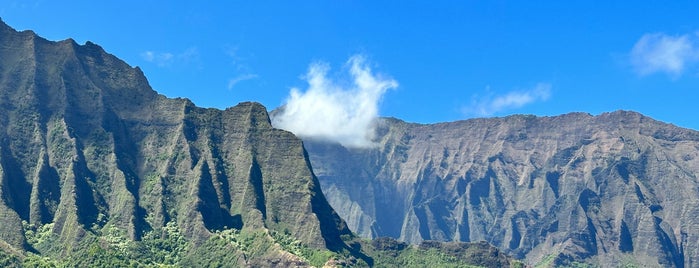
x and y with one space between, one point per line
491 103
235 80
663 53
240 66
333 109
167 59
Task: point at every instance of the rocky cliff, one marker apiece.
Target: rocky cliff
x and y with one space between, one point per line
98 170
87 149
615 189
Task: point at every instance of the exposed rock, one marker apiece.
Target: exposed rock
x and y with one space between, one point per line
610 189
85 143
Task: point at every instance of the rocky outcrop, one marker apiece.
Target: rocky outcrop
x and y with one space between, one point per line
86 144
611 189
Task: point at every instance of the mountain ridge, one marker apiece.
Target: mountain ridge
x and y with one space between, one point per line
569 188
577 114
99 170
87 145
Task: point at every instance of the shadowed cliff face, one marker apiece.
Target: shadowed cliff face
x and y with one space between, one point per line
85 143
610 189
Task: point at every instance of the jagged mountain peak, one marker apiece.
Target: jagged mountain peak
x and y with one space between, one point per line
4 28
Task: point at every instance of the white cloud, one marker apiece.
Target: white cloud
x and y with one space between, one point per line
235 80
166 59
491 104
162 59
336 111
240 66
659 52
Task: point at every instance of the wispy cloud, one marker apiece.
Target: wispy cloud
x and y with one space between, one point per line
490 103
659 52
240 67
335 110
236 59
162 59
235 80
167 59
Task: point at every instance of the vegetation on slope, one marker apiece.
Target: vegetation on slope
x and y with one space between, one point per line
388 252
167 247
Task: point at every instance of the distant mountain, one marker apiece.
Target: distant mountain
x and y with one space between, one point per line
98 170
615 189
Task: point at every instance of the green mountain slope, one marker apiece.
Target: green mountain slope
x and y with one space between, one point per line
88 149
98 170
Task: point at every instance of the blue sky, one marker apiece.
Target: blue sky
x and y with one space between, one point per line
429 61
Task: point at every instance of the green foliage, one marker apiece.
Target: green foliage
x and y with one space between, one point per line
33 260
388 252
9 260
388 244
630 261
162 247
315 257
517 264
167 247
253 243
150 181
36 235
116 238
546 261
95 255
552 260
215 252
414 257
42 238
231 246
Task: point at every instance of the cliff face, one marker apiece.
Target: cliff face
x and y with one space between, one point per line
610 189
86 144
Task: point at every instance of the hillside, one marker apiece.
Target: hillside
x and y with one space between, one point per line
88 149
99 170
614 189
